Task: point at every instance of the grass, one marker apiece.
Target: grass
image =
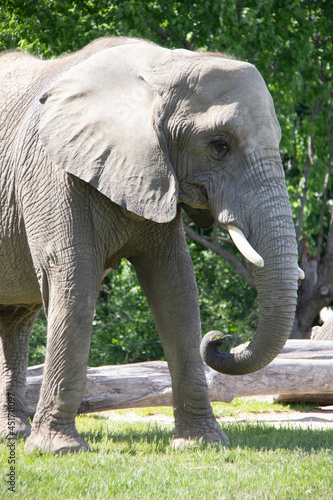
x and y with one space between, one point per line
236 407
135 461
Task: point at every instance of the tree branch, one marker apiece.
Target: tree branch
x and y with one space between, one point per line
326 183
225 254
328 260
299 222
162 33
239 9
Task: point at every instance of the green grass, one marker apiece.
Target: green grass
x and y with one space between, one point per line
232 409
135 461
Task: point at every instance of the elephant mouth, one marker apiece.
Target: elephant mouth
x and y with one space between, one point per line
201 217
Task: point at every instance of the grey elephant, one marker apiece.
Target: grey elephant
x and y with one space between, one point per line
99 151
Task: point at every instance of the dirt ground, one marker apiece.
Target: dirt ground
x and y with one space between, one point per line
320 418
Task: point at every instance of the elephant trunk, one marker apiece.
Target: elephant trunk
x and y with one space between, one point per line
276 281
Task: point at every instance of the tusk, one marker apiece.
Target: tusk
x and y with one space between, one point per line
244 246
301 274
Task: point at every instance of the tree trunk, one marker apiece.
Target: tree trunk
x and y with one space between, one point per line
315 291
303 367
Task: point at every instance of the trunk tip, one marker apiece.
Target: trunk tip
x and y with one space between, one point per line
210 342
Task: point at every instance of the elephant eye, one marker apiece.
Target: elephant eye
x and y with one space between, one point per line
221 146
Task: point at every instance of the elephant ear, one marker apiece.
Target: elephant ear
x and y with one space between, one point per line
98 122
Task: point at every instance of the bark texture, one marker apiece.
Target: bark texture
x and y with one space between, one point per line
316 290
303 371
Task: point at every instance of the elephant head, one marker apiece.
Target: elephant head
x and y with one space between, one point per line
152 129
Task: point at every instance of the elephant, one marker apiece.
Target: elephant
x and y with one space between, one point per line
100 151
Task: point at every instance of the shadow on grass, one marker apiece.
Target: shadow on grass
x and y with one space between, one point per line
267 437
262 437
126 432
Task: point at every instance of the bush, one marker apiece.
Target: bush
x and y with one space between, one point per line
123 329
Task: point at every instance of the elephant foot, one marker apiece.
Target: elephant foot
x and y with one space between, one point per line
18 427
56 442
198 430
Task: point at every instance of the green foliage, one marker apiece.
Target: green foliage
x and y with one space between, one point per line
37 344
123 328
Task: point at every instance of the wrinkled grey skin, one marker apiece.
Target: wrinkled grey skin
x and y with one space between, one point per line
98 150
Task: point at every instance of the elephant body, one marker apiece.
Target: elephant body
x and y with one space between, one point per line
98 152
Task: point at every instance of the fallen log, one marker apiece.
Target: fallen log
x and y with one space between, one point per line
324 332
113 387
303 367
309 350
302 349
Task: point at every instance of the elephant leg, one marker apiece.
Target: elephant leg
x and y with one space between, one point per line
168 281
15 326
69 309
